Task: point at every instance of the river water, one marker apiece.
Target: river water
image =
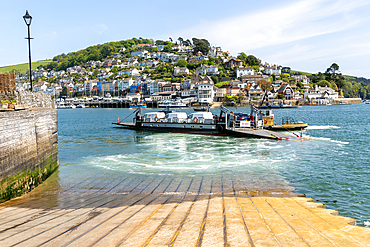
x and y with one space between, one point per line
333 167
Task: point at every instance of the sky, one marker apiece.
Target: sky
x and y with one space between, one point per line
306 35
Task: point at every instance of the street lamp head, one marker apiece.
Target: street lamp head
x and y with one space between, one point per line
27 18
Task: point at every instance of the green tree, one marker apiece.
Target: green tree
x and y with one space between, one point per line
201 45
181 63
64 91
332 69
187 42
214 79
159 42
167 48
242 56
256 68
324 83
251 60
300 85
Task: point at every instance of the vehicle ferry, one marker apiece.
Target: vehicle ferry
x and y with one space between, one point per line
205 123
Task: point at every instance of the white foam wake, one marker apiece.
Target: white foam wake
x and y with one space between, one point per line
322 127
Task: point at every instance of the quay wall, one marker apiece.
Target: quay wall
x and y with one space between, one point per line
28 149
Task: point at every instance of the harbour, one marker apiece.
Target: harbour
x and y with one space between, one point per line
134 187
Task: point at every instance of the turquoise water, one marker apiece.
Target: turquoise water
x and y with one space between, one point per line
333 166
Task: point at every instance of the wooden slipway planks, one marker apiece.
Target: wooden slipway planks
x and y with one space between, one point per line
165 211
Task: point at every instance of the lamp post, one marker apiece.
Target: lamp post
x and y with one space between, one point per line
28 19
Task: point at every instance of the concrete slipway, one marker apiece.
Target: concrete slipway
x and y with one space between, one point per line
171 211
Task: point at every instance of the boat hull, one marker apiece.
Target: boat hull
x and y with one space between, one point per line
204 129
187 128
287 127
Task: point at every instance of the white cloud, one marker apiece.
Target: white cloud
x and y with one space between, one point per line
100 28
295 21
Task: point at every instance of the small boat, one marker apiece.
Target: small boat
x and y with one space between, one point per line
274 105
343 102
81 105
286 106
171 104
138 105
205 108
200 109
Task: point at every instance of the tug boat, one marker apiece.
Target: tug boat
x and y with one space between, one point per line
287 124
204 123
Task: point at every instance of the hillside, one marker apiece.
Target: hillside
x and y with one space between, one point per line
22 68
352 86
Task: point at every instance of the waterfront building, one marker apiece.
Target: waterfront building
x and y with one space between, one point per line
321 93
287 92
205 93
255 91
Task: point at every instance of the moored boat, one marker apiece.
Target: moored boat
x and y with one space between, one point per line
171 104
138 105
81 105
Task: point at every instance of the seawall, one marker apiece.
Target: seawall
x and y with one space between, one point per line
28 149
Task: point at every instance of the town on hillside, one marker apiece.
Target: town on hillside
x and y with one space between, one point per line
197 73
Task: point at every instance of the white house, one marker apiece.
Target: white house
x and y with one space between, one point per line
182 48
215 51
303 79
274 69
320 93
128 72
40 74
205 93
104 75
244 71
160 47
255 91
139 53
202 70
180 71
127 83
89 85
212 70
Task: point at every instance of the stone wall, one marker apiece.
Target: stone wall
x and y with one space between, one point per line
28 149
35 99
31 99
7 82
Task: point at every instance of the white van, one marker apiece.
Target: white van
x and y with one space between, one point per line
154 116
201 117
176 117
